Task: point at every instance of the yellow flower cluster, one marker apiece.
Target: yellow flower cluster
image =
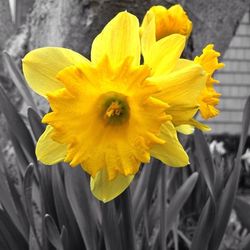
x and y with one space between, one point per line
112 113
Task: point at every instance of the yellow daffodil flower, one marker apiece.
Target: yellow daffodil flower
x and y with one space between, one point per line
111 114
167 21
160 22
209 98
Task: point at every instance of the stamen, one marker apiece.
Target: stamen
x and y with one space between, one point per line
114 109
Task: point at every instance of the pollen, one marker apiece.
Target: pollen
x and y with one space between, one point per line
113 110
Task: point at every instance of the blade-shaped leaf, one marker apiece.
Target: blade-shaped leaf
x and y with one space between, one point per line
153 181
17 126
35 123
139 193
175 234
18 79
245 127
12 236
140 186
78 193
110 227
205 161
46 190
64 211
242 208
16 192
229 192
8 203
178 200
65 238
27 189
205 226
128 220
52 232
22 159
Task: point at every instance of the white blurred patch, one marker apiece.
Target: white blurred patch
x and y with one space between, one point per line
246 158
218 147
13 10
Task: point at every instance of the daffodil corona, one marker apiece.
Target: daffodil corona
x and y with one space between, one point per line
209 98
110 114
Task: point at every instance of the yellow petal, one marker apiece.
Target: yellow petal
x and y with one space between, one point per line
178 21
165 53
183 86
118 40
40 67
48 151
199 125
182 114
185 129
168 21
147 32
171 152
106 190
161 16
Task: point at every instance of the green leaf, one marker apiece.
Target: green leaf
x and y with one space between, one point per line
229 192
205 227
52 232
206 222
16 196
153 180
17 126
110 227
175 236
245 127
27 187
139 193
204 157
242 208
10 235
178 200
65 238
22 159
128 220
46 190
81 201
63 209
35 123
8 203
140 185
3 242
18 79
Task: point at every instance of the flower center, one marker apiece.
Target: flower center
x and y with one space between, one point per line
114 108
